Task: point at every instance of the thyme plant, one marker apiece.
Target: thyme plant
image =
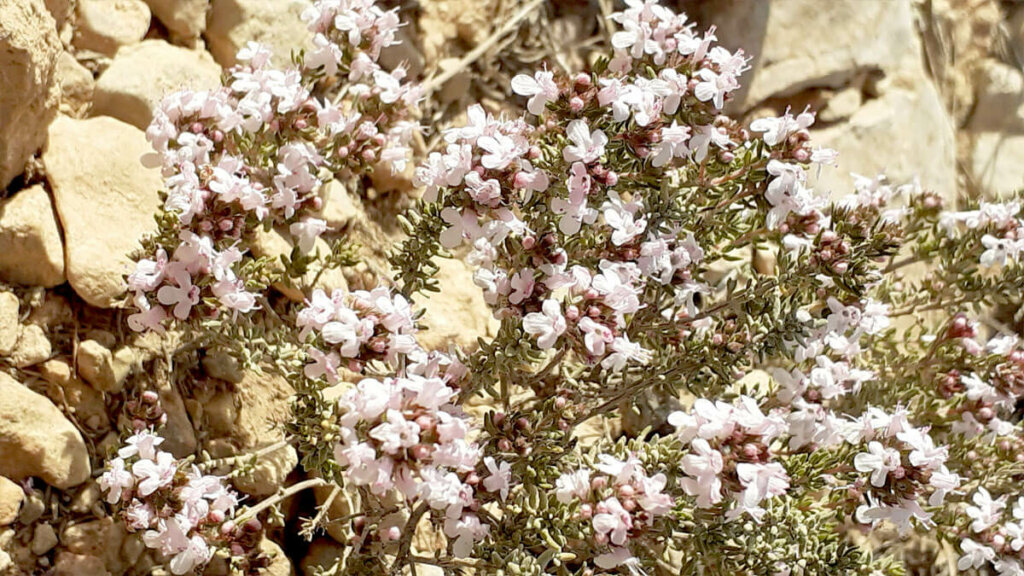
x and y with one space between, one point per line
830 352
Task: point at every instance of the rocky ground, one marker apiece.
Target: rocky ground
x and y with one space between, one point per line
917 88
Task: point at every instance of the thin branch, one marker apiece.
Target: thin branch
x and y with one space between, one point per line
277 498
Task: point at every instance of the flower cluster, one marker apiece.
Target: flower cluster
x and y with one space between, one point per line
355 326
903 463
730 454
619 500
254 152
181 510
996 534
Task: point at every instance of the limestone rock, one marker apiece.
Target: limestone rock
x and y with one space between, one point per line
458 314
995 163
31 252
70 564
94 171
904 133
56 371
280 565
179 434
44 538
61 10
323 553
97 538
32 348
29 47
103 369
262 404
339 206
37 440
276 243
796 44
275 23
76 86
1000 99
8 322
267 475
185 19
86 404
11 496
105 25
142 75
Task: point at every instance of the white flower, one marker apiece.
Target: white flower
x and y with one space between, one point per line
466 531
974 555
116 480
546 325
572 485
879 460
306 233
541 89
999 251
704 464
500 478
623 352
501 151
155 474
396 433
621 217
986 512
614 521
586 146
143 443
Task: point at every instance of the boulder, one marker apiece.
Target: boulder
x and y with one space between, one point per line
796 44
140 76
31 251
104 26
8 322
999 104
29 48
44 538
262 402
456 315
905 133
184 19
37 440
11 497
96 177
76 86
995 163
276 23
339 206
106 371
32 348
70 564
98 538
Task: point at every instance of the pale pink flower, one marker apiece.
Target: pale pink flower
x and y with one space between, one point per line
586 146
546 325
500 478
541 89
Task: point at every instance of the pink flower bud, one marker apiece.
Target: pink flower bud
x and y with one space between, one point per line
420 452
629 504
802 155
369 155
218 136
226 225
583 80
586 511
576 104
627 491
534 153
391 533
197 128
599 483
529 241
600 539
300 124
572 313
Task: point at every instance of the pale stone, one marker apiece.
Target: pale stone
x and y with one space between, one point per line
105 25
31 252
275 23
8 322
55 371
141 76
37 440
185 19
11 497
279 565
76 86
995 163
29 48
221 413
32 348
179 434
97 538
1000 99
456 315
904 133
339 206
44 538
96 176
69 564
262 402
797 45
85 403
276 243
98 366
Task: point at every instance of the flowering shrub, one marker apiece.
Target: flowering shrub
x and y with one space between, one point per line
633 240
